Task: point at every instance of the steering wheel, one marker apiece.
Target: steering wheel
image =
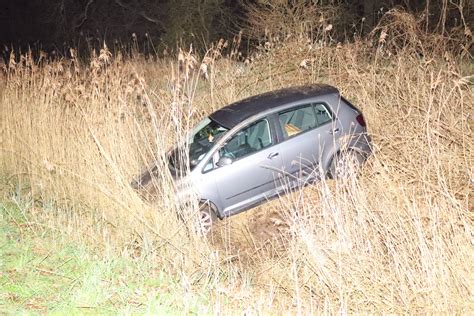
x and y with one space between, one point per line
228 154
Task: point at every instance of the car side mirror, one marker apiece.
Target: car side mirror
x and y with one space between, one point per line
224 161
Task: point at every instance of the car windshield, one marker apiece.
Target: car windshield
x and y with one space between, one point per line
200 140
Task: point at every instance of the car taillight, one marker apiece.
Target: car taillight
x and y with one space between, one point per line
360 120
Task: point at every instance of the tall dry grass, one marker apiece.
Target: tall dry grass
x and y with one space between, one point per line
398 238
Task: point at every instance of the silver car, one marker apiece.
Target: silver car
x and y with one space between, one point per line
261 147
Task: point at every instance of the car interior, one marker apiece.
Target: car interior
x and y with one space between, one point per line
251 139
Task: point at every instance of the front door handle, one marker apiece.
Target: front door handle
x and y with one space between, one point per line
272 155
334 131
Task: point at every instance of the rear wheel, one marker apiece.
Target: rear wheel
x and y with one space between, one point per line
207 218
346 164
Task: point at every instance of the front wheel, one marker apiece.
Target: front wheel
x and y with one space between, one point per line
345 164
207 218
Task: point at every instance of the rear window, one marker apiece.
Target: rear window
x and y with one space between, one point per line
350 104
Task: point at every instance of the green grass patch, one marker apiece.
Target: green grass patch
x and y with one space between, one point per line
42 273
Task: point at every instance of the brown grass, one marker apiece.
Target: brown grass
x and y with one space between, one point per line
396 239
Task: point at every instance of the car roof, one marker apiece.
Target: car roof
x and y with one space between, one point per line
231 115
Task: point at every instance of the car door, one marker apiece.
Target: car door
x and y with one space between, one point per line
255 164
307 133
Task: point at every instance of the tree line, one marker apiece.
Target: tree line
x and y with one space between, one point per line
155 24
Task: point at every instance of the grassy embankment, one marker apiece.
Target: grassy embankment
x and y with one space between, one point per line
74 235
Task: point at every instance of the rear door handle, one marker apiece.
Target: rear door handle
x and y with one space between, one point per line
334 131
272 155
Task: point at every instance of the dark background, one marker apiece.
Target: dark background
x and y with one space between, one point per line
156 24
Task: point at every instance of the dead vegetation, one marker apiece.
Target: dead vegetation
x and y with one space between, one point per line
396 239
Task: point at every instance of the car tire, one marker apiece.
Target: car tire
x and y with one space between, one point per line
346 164
206 219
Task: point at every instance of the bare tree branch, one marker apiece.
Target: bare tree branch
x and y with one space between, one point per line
141 13
84 18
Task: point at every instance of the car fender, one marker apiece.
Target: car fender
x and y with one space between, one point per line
359 143
209 193
214 200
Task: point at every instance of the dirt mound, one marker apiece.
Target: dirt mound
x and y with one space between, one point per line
260 232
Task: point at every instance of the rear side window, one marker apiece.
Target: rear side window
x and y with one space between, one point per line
304 118
297 121
322 114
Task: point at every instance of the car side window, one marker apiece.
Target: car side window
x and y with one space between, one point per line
297 120
322 114
248 140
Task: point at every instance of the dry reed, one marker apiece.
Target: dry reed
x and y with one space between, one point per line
397 239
